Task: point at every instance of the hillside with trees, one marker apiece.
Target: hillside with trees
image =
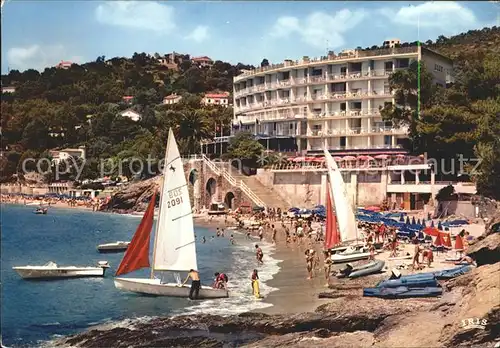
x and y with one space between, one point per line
81 106
463 120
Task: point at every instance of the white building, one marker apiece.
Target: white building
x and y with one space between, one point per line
64 154
330 102
133 115
221 99
8 89
172 99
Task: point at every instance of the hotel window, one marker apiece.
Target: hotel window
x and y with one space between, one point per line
438 67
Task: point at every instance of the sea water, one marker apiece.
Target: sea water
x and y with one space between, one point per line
34 312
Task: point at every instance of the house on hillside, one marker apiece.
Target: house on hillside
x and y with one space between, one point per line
64 154
64 65
221 99
172 99
127 99
202 61
8 89
133 115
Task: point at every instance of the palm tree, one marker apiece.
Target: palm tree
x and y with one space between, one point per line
192 127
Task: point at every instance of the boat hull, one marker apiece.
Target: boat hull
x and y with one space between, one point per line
112 248
40 273
155 287
339 258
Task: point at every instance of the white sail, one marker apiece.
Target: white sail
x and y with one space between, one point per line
345 215
174 239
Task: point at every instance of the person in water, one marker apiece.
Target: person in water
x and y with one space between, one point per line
259 254
232 239
222 233
218 232
220 281
203 240
274 234
255 278
195 284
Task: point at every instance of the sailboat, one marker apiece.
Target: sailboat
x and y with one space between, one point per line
174 248
345 216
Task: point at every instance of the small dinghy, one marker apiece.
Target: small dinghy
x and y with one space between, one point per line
51 271
351 254
402 292
115 247
361 270
40 211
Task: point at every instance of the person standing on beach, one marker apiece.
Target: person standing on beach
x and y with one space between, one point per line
195 284
259 255
416 264
261 232
328 266
309 262
274 234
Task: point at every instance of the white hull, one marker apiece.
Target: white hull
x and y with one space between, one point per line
41 272
155 287
339 258
110 247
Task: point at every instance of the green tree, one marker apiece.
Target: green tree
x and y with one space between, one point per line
245 147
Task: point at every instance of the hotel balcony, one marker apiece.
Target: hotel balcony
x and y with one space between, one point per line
357 131
312 80
356 147
336 96
331 60
344 114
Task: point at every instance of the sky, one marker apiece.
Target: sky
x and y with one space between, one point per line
37 34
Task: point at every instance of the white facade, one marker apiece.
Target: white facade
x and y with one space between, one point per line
133 115
172 99
216 99
64 154
332 102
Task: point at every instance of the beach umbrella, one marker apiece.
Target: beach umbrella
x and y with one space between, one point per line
440 226
424 222
401 218
407 220
432 223
382 157
421 235
349 158
431 231
418 222
446 238
438 241
337 158
413 222
459 243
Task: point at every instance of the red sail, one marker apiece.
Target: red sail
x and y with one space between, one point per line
332 237
137 254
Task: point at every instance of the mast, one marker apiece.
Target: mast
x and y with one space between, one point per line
151 275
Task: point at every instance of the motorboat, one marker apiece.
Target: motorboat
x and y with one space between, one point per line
51 271
40 211
115 247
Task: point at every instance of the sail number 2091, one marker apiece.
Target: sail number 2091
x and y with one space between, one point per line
175 198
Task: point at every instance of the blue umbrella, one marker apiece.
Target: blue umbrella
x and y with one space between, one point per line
440 227
423 222
407 220
418 222
432 223
401 218
413 221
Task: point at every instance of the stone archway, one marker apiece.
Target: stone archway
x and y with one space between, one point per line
193 176
229 200
211 189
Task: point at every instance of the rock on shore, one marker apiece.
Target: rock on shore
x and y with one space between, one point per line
133 197
349 321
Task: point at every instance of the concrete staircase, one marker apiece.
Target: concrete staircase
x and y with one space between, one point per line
268 195
259 194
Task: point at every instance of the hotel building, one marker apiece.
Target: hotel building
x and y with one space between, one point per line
330 102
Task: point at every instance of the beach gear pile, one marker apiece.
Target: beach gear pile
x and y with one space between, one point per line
415 285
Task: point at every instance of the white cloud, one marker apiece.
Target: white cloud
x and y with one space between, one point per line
319 29
447 16
145 15
199 34
39 57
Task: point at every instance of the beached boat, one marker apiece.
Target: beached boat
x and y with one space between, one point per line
361 270
174 249
351 254
115 247
402 292
52 271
